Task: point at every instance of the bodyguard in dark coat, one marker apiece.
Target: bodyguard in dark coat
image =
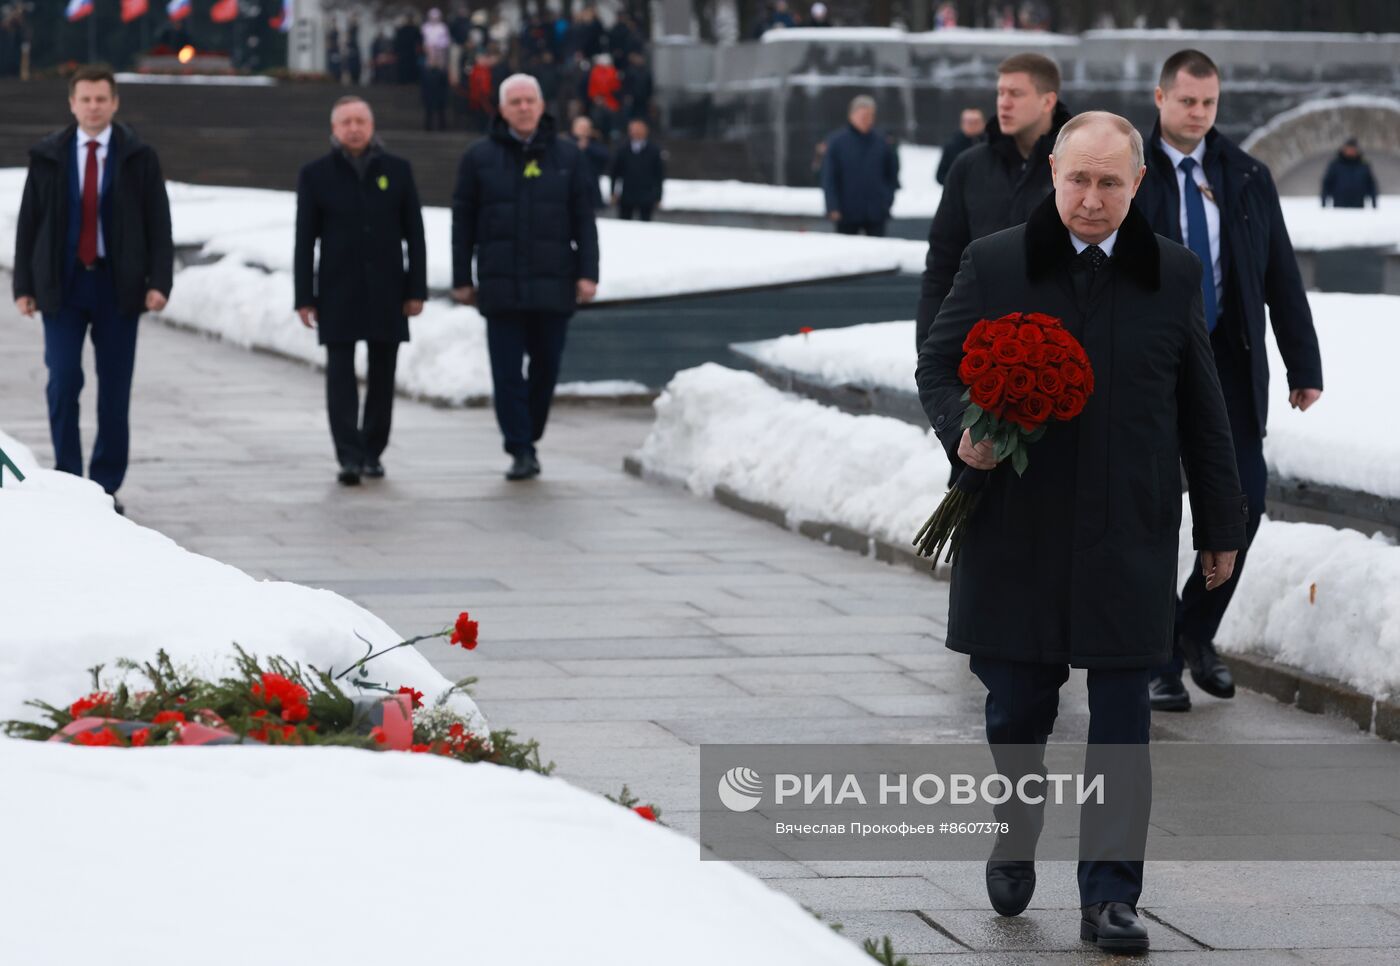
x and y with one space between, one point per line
996 184
361 204
1348 181
523 206
972 129
860 173
641 167
93 251
594 153
1074 564
1228 214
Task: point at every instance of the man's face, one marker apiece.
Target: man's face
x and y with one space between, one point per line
863 119
1187 110
522 108
972 123
582 128
637 131
1094 181
1020 106
93 104
353 126
1350 150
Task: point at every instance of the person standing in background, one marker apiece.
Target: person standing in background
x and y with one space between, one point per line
860 173
93 250
972 129
361 204
594 153
641 167
1349 180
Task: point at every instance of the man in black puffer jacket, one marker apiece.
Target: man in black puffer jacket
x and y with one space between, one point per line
523 205
1349 180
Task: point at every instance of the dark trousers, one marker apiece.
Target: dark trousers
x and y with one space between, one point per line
1022 703
875 229
359 442
628 212
1198 611
90 304
522 399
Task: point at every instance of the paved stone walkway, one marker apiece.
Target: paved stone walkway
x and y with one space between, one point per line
624 624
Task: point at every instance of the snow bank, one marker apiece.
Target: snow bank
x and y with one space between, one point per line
1336 442
340 855
883 477
954 36
85 586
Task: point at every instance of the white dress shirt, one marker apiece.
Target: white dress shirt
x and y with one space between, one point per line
81 146
1106 246
1198 174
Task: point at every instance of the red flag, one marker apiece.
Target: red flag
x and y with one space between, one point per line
224 11
134 9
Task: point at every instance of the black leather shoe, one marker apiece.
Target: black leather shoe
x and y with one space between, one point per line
373 470
523 467
1010 885
1207 670
1167 693
1113 926
349 475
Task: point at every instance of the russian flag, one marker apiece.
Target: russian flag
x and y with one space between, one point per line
133 10
77 10
178 9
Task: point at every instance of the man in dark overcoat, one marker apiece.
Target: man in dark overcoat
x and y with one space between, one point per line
860 173
523 207
361 204
93 250
1074 564
639 166
1206 193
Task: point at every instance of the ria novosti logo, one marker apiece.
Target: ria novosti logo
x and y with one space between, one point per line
740 789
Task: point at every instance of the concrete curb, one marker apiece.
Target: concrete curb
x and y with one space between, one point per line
1308 692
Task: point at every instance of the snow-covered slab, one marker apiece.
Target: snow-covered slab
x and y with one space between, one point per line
84 586
954 36
1341 441
883 477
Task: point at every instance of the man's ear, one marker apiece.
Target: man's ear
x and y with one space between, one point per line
1053 183
1137 182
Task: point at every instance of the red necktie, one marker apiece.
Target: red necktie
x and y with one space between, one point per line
87 238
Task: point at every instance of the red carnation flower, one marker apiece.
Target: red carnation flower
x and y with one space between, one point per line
168 717
465 631
419 749
645 812
974 364
379 735
139 737
101 738
1019 382
93 702
415 697
806 330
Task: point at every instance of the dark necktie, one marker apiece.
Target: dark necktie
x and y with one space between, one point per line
87 237
1094 256
1198 239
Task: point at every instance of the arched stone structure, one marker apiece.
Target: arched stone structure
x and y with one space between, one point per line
1298 144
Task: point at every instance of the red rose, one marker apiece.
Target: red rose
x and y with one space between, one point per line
1055 354
1049 382
1030 333
1072 373
168 717
1037 354
1040 318
645 812
1088 380
987 391
1000 330
415 697
976 362
1058 337
465 631
1008 352
977 336
1011 318
1077 353
1034 410
1069 405
1019 381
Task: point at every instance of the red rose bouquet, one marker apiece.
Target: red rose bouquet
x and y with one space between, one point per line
1021 371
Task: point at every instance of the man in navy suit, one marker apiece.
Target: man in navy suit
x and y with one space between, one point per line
93 250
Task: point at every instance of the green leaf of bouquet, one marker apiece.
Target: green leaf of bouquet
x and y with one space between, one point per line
1020 460
971 415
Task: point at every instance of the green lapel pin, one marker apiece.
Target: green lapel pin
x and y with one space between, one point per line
383 182
532 169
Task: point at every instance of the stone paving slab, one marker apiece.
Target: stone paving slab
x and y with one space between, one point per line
624 624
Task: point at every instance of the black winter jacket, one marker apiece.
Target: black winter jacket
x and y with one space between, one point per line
525 211
135 222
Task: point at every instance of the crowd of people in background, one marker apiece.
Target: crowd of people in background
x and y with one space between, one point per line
458 58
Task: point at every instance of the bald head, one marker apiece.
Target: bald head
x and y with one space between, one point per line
1096 168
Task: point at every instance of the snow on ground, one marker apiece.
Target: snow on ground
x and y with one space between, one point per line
955 36
85 586
1335 442
449 862
884 477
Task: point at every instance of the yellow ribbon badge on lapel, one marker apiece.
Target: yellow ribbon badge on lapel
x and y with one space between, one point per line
532 169
383 183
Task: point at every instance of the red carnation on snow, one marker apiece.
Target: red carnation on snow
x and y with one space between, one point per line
645 812
416 697
464 632
101 738
93 702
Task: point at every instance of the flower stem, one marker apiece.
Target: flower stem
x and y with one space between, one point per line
370 657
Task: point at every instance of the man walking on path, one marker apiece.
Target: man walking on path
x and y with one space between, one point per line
93 250
1349 180
1203 191
523 207
996 184
1090 530
641 167
361 204
860 173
